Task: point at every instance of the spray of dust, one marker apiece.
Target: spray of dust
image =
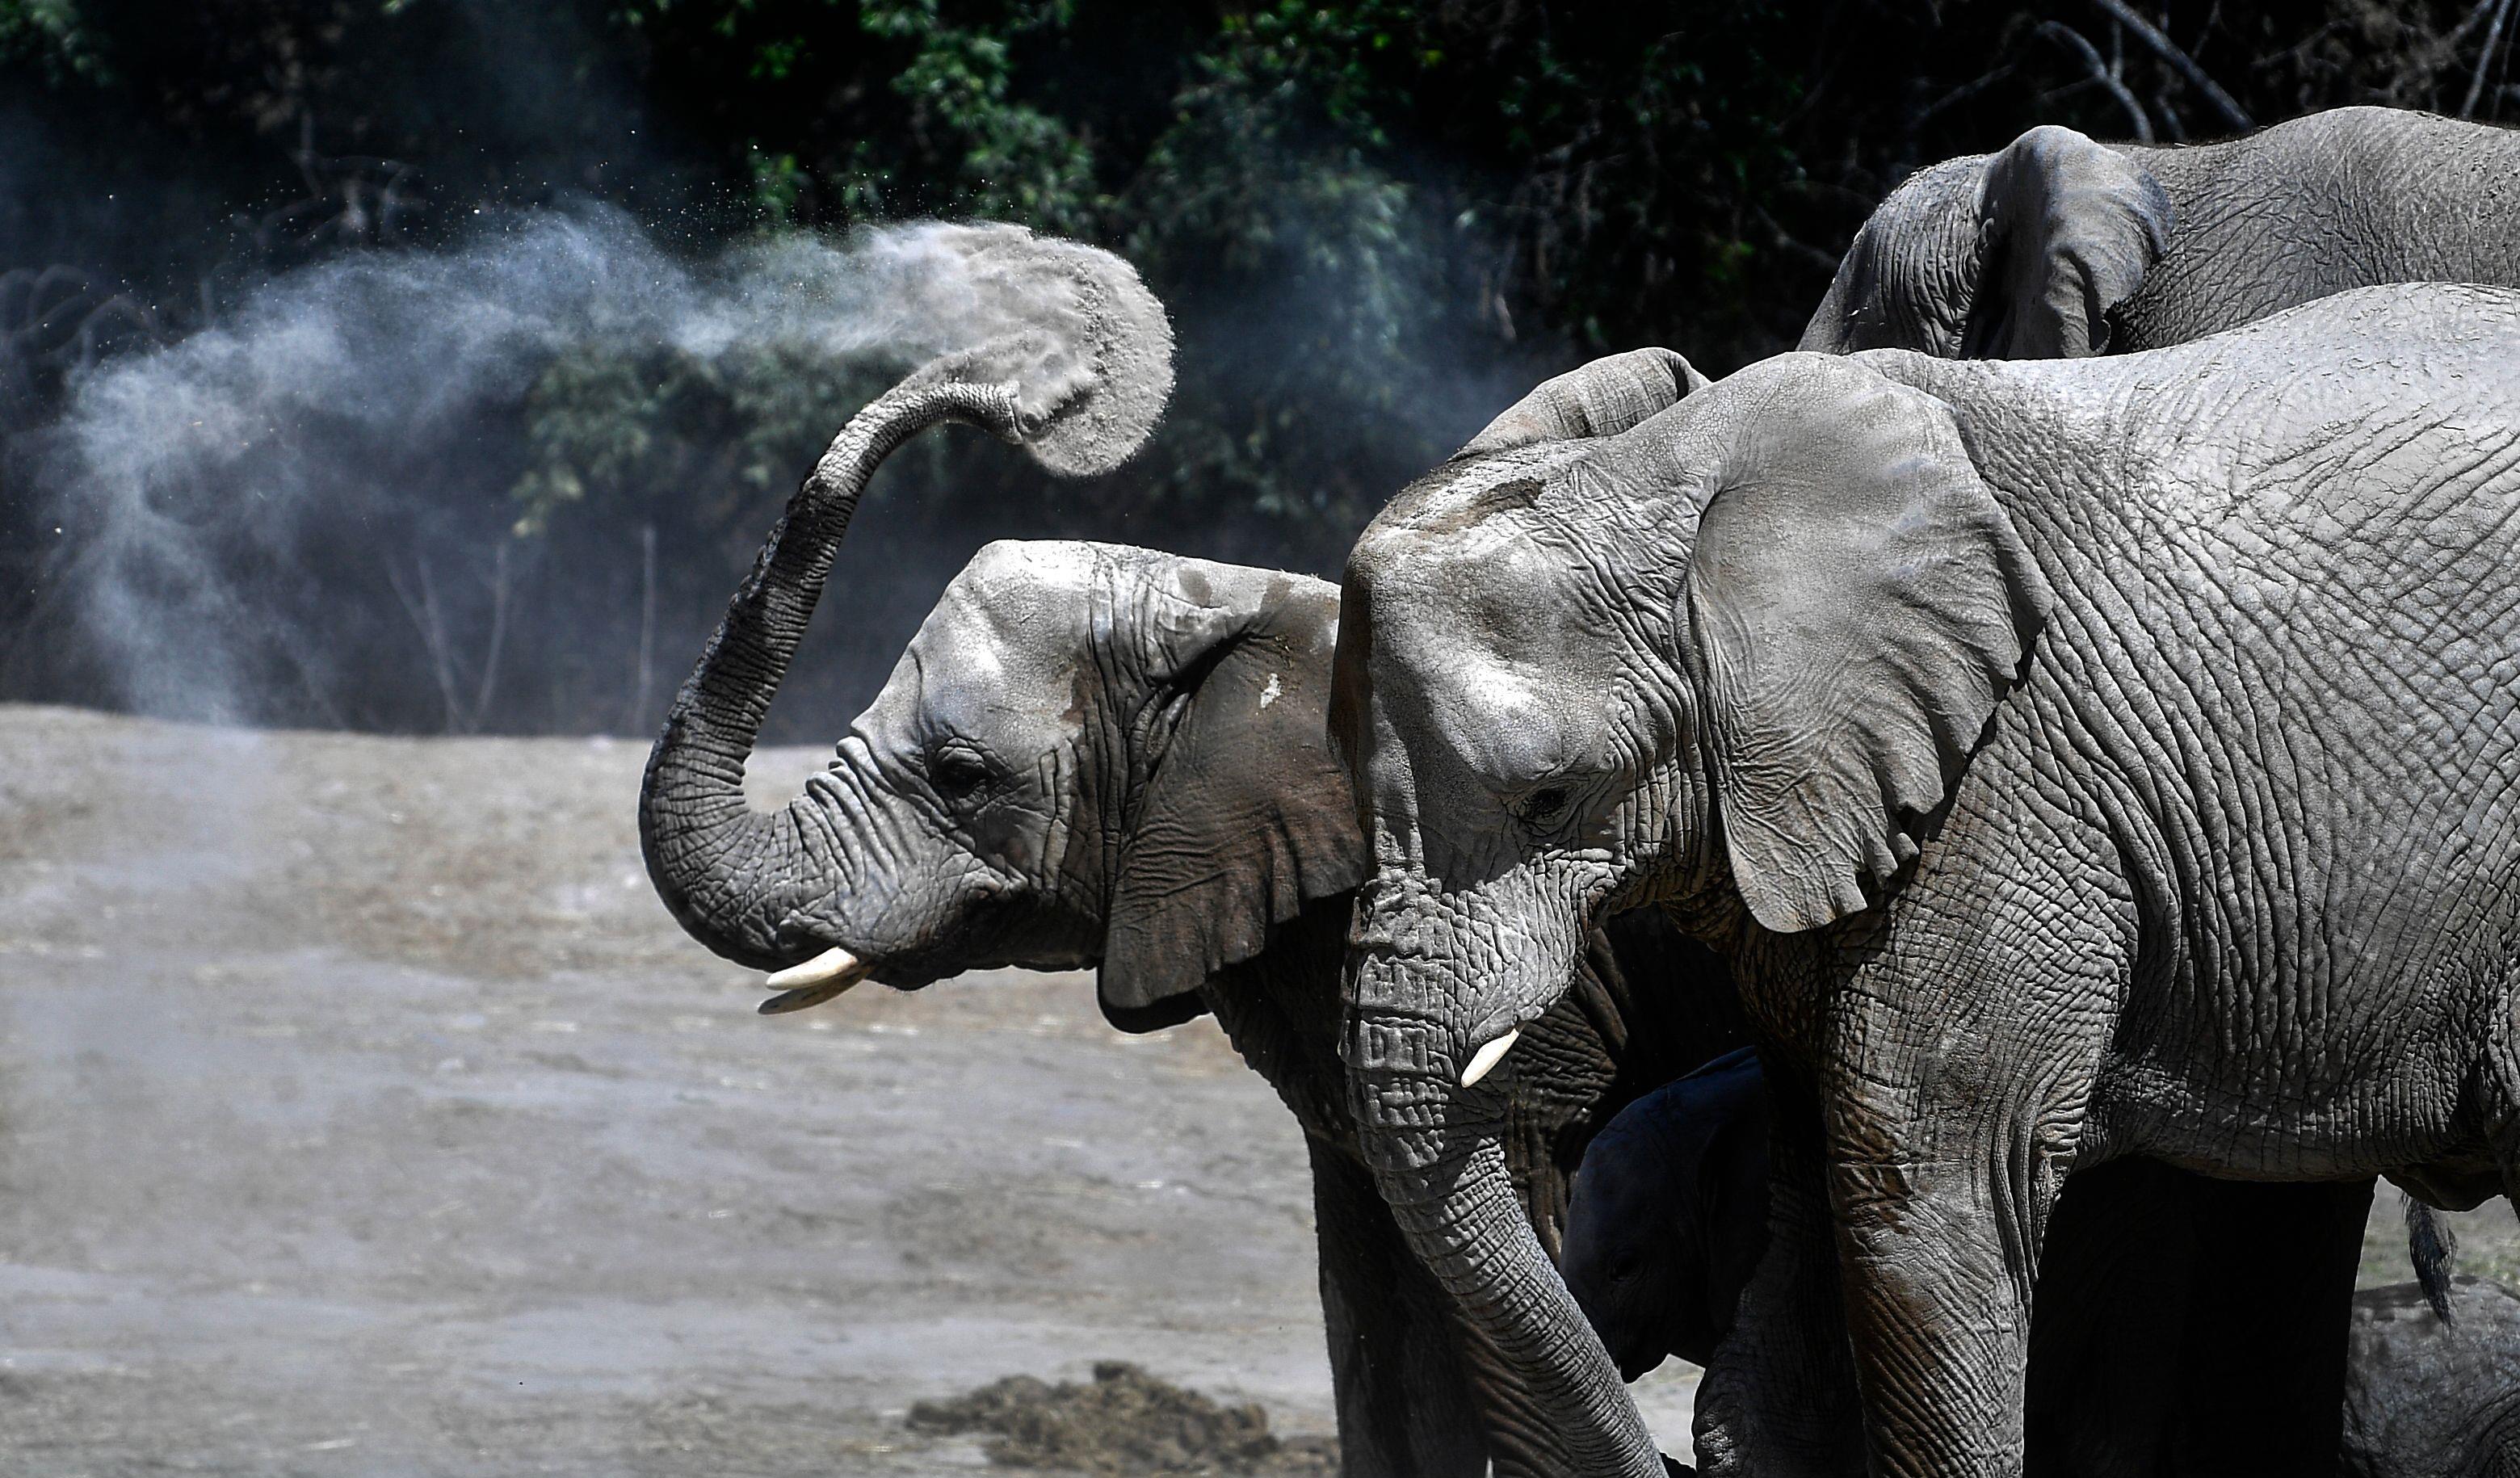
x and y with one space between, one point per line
336 391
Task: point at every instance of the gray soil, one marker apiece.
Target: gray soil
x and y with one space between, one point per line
361 1112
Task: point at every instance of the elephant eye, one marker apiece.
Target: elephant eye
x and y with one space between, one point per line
956 770
1546 806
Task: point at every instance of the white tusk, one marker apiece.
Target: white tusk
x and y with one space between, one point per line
831 964
1485 1059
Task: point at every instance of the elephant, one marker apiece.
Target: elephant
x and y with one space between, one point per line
2183 1325
2075 760
2056 247
1092 755
2430 1399
1668 1216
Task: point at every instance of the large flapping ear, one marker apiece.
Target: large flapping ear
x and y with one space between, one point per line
1245 814
1859 605
2066 230
1600 399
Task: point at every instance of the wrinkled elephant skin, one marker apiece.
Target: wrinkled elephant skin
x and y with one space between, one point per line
2059 246
1096 755
2429 1400
2077 760
2183 1325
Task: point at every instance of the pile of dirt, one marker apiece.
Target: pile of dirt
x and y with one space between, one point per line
1125 1421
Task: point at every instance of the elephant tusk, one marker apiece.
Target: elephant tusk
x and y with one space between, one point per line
1485 1059
814 982
831 964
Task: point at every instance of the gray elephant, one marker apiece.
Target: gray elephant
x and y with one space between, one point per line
2429 1399
2057 246
2077 760
1098 755
2183 1325
1668 1216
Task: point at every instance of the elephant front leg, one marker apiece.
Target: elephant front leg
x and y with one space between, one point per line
1938 1309
1961 1045
1406 1408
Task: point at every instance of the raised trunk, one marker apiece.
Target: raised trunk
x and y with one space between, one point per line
739 879
1438 1156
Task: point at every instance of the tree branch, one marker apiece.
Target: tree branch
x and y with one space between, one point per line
501 589
2185 65
1963 92
2082 46
2484 59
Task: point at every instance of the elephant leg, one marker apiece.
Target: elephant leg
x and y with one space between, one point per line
2187 1325
2117 1282
1942 1181
1406 1408
1778 1397
2261 1363
1939 1321
1958 1062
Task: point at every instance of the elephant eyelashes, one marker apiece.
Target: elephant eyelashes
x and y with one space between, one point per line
956 772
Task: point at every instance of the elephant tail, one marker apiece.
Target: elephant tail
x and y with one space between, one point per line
2433 1247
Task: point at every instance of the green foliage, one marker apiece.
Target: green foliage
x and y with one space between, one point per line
779 185
1374 222
1009 161
630 433
51 35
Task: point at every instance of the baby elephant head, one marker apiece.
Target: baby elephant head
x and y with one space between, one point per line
1090 754
1668 1217
1086 754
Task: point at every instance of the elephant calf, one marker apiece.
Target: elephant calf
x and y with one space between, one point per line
1094 756
1668 1217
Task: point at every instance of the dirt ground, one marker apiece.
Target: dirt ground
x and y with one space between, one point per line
361 1112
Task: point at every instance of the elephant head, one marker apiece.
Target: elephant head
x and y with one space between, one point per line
1051 776
1666 1220
1729 657
2018 254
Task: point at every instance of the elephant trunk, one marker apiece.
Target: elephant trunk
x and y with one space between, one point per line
738 878
1437 1153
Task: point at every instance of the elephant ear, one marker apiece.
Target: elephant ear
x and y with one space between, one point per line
1244 813
2066 230
1859 606
1601 399
1906 280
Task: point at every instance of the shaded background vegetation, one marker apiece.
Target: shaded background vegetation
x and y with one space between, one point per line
1374 223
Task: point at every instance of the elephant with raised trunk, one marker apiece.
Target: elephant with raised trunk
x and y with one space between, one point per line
2058 247
1093 755
2077 760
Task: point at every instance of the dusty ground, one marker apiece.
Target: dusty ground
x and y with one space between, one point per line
361 1112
